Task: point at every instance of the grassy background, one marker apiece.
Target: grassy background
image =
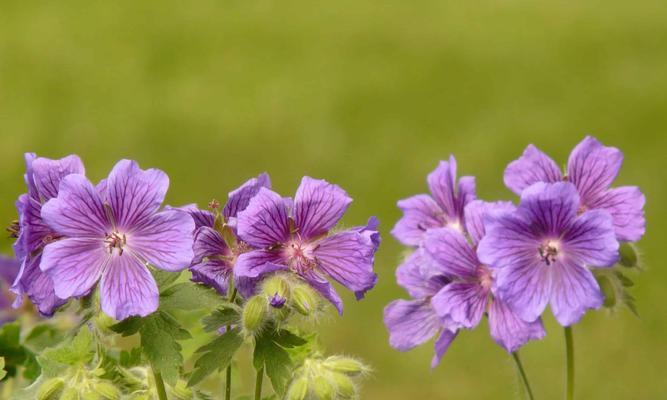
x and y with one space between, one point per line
370 95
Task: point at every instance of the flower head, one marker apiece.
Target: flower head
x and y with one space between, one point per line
541 252
295 236
112 232
592 167
43 177
444 207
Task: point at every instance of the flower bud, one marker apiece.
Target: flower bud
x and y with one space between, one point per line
70 394
106 390
51 389
254 313
297 389
304 299
344 386
607 288
323 388
181 391
628 255
276 285
345 365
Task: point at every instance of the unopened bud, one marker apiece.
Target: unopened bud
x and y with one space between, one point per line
323 388
51 389
254 313
298 389
607 288
181 391
304 299
345 365
628 255
106 390
344 385
70 394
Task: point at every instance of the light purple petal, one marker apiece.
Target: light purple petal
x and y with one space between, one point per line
575 290
509 240
410 323
442 345
460 305
208 242
240 197
592 168
164 240
9 268
533 166
347 257
550 207
418 276
476 213
201 217
252 266
75 265
48 173
135 194
214 273
626 206
34 233
370 230
34 283
525 287
452 199
452 253
29 178
264 222
420 213
321 285
591 239
78 209
318 206
128 288
510 331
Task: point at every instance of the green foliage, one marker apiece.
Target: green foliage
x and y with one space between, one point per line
3 373
615 286
16 355
227 315
189 296
271 354
216 355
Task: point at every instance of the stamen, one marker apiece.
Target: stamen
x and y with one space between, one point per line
115 240
14 229
549 251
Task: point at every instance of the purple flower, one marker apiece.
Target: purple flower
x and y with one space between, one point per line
111 233
443 208
592 168
9 269
413 322
542 250
463 302
214 259
43 178
295 236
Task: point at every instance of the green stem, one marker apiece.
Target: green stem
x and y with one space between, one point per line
258 384
522 374
228 373
159 385
569 353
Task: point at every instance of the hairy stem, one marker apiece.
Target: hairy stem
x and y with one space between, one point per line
522 375
159 385
228 373
569 354
258 384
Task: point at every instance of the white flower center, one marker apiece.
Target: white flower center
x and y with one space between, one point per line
549 251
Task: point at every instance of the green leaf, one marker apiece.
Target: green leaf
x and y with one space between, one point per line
14 353
43 336
216 355
189 296
628 254
221 317
159 335
271 354
164 279
3 373
78 350
132 358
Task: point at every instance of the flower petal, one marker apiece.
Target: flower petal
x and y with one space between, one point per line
240 197
348 258
410 323
575 290
164 240
128 288
135 194
251 267
591 239
592 168
460 305
78 209
442 345
626 206
201 217
264 222
533 166
550 207
452 253
75 265
452 199
318 206
48 173
34 233
208 242
420 213
476 212
322 286
418 276
38 286
508 240
213 273
510 331
526 287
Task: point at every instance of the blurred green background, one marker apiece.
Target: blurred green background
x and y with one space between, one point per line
369 95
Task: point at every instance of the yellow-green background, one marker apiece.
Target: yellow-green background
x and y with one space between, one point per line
369 95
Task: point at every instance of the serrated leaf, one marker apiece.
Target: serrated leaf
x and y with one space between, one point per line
164 279
221 317
14 353
271 354
189 296
132 358
78 350
215 355
43 336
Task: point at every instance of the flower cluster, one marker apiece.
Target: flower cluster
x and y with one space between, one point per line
473 258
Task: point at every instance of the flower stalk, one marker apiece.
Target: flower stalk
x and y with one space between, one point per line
569 356
159 385
258 384
522 375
